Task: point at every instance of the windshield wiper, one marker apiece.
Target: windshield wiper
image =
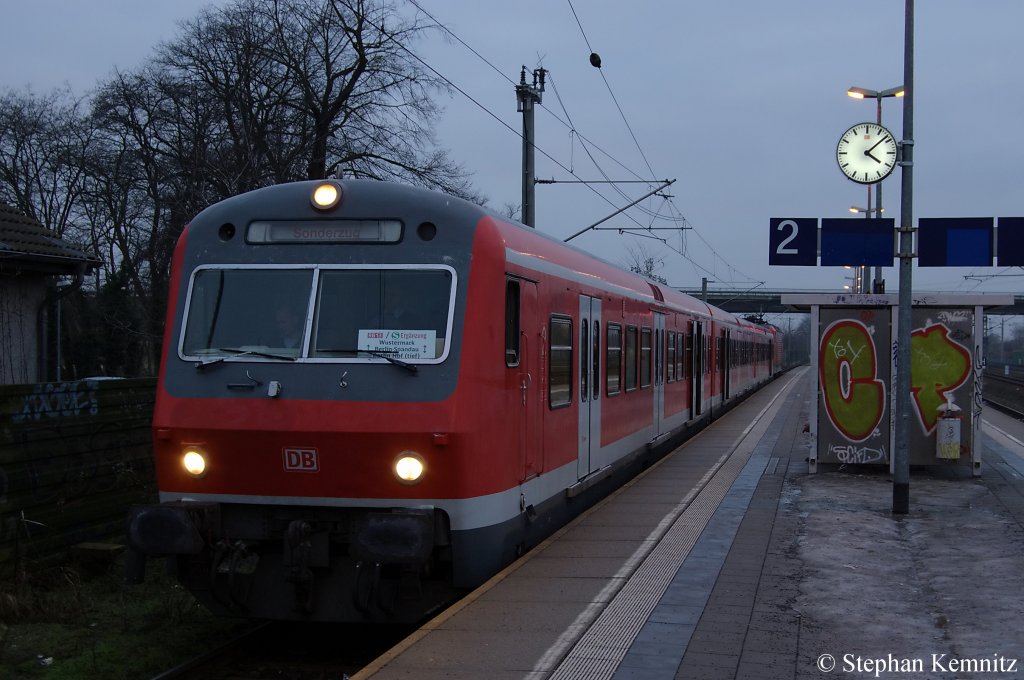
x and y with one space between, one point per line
241 353
383 354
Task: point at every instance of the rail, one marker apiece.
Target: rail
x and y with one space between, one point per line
1004 387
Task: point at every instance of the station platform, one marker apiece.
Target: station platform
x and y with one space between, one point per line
728 560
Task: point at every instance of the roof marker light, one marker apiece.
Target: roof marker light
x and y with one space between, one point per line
326 195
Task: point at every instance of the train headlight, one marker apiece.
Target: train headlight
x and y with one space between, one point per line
326 195
409 467
194 462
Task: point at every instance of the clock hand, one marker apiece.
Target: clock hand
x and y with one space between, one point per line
871 155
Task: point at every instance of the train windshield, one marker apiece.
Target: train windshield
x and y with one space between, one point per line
358 313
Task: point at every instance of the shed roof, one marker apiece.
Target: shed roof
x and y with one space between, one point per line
25 244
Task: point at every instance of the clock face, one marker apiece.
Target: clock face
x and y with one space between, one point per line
866 153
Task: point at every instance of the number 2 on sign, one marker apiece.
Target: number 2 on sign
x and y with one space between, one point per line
782 248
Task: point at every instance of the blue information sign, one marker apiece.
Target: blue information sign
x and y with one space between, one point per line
954 242
856 242
793 241
1011 242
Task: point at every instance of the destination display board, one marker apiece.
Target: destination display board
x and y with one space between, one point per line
857 242
941 241
955 241
1010 242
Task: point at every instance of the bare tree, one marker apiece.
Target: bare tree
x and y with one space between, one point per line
305 89
368 100
640 261
42 143
254 136
251 93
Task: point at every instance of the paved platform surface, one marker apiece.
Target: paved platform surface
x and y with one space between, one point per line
728 560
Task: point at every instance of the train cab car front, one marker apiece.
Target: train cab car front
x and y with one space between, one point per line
308 393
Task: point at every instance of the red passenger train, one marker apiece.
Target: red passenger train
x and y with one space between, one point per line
373 397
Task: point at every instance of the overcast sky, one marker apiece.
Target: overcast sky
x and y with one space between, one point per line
741 102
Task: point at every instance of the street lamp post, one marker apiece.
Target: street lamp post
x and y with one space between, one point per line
864 271
855 282
901 452
878 96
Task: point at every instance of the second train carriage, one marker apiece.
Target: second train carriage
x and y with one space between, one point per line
370 401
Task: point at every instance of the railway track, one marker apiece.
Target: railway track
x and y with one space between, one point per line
291 651
1004 387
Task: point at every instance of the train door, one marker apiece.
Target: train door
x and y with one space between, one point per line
589 384
726 364
523 347
698 368
659 371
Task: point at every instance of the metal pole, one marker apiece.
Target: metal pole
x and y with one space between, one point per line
901 460
529 217
876 285
527 96
865 270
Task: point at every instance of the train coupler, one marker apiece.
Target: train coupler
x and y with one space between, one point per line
233 560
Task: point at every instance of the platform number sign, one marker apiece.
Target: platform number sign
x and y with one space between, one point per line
793 241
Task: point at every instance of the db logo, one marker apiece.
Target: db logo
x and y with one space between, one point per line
301 460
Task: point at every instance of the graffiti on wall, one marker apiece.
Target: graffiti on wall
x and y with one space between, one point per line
58 400
848 374
851 453
938 365
856 360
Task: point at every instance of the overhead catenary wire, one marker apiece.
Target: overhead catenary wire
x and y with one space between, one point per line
610 92
597 63
488 111
512 82
568 124
586 149
682 251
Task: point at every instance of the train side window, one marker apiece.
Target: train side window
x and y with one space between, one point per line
512 327
631 357
671 356
613 359
688 355
645 357
560 362
596 356
680 363
584 358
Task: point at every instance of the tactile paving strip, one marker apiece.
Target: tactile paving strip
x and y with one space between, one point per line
598 652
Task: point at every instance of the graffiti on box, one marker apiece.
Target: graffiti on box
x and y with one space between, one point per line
855 370
938 366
